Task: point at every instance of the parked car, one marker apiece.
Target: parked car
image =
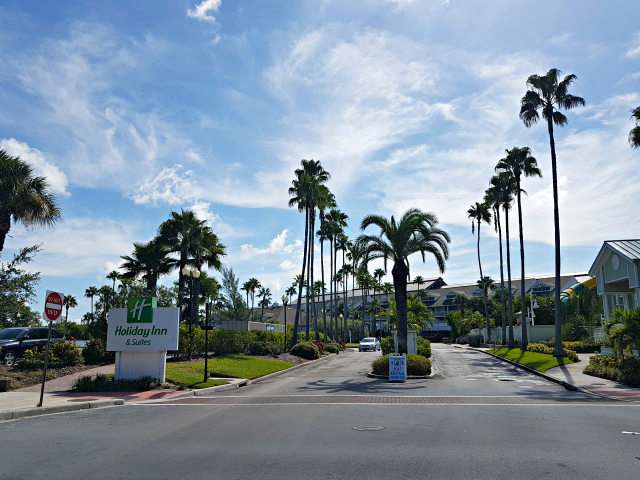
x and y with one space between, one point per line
14 341
369 343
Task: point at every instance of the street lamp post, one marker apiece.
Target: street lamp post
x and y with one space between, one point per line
192 274
284 302
206 341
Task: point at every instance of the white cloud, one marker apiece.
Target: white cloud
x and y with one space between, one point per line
634 51
201 12
278 245
287 265
56 178
78 246
220 228
171 186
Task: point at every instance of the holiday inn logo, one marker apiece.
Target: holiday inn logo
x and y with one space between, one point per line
140 309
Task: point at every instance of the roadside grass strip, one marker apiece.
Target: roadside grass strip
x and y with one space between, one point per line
191 374
538 361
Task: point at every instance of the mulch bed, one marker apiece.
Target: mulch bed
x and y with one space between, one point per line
26 378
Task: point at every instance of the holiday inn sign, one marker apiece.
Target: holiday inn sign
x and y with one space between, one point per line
142 326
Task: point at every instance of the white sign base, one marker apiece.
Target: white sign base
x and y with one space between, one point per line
135 365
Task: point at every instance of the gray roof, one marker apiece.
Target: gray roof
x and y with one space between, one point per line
628 248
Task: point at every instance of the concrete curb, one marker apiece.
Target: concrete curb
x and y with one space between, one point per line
47 410
202 392
409 377
566 385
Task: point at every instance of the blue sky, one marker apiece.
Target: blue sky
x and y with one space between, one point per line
132 109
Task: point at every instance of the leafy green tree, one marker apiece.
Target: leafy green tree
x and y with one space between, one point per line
17 288
480 212
546 94
623 329
233 308
24 198
634 134
415 232
517 163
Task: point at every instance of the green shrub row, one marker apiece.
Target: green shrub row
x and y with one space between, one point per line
424 347
61 354
582 346
417 365
625 369
543 348
95 352
106 383
387 346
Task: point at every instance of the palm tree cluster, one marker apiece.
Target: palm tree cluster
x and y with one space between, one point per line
634 134
545 96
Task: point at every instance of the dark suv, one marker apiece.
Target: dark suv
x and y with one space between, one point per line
14 341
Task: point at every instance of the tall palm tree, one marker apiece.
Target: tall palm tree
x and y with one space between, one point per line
419 280
254 285
337 222
356 255
69 301
90 293
494 197
290 291
179 233
342 245
326 200
207 250
517 163
503 186
479 212
634 134
265 295
546 94
415 232
246 286
23 197
113 275
378 273
149 261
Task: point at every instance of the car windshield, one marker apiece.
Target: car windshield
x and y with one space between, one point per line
367 340
10 333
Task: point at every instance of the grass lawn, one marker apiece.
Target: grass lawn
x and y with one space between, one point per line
354 345
538 361
235 366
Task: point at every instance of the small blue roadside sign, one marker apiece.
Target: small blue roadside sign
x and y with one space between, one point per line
398 368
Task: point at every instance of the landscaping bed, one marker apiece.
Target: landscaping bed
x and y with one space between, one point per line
538 361
26 378
623 369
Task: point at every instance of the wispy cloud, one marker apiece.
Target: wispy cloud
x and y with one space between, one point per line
172 186
201 12
634 51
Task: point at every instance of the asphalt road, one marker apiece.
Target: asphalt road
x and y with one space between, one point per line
479 418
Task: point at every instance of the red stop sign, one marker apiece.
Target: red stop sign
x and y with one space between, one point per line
53 306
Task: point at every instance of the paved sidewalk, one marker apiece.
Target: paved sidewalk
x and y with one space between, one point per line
572 374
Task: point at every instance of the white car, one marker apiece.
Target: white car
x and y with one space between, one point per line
369 343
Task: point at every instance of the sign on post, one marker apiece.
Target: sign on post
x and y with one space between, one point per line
398 368
53 306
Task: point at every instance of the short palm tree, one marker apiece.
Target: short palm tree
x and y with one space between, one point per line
415 232
634 134
546 94
517 163
419 280
254 284
246 286
207 251
265 295
24 198
479 212
148 261
69 301
113 275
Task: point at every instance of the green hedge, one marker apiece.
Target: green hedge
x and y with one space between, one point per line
387 346
424 347
624 369
61 354
582 346
543 348
332 348
417 365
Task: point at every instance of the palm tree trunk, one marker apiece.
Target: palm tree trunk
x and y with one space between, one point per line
331 274
324 301
309 285
353 296
525 339
502 303
344 301
484 290
253 300
313 255
294 336
248 300
506 220
335 282
559 350
399 273
183 262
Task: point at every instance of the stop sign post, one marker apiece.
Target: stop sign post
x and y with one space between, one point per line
52 312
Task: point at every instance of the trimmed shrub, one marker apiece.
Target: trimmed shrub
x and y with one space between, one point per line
424 347
417 365
265 348
542 348
95 352
332 348
582 346
318 344
624 369
474 339
387 346
306 350
106 383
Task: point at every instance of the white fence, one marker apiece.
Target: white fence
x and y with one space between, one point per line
245 326
535 333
